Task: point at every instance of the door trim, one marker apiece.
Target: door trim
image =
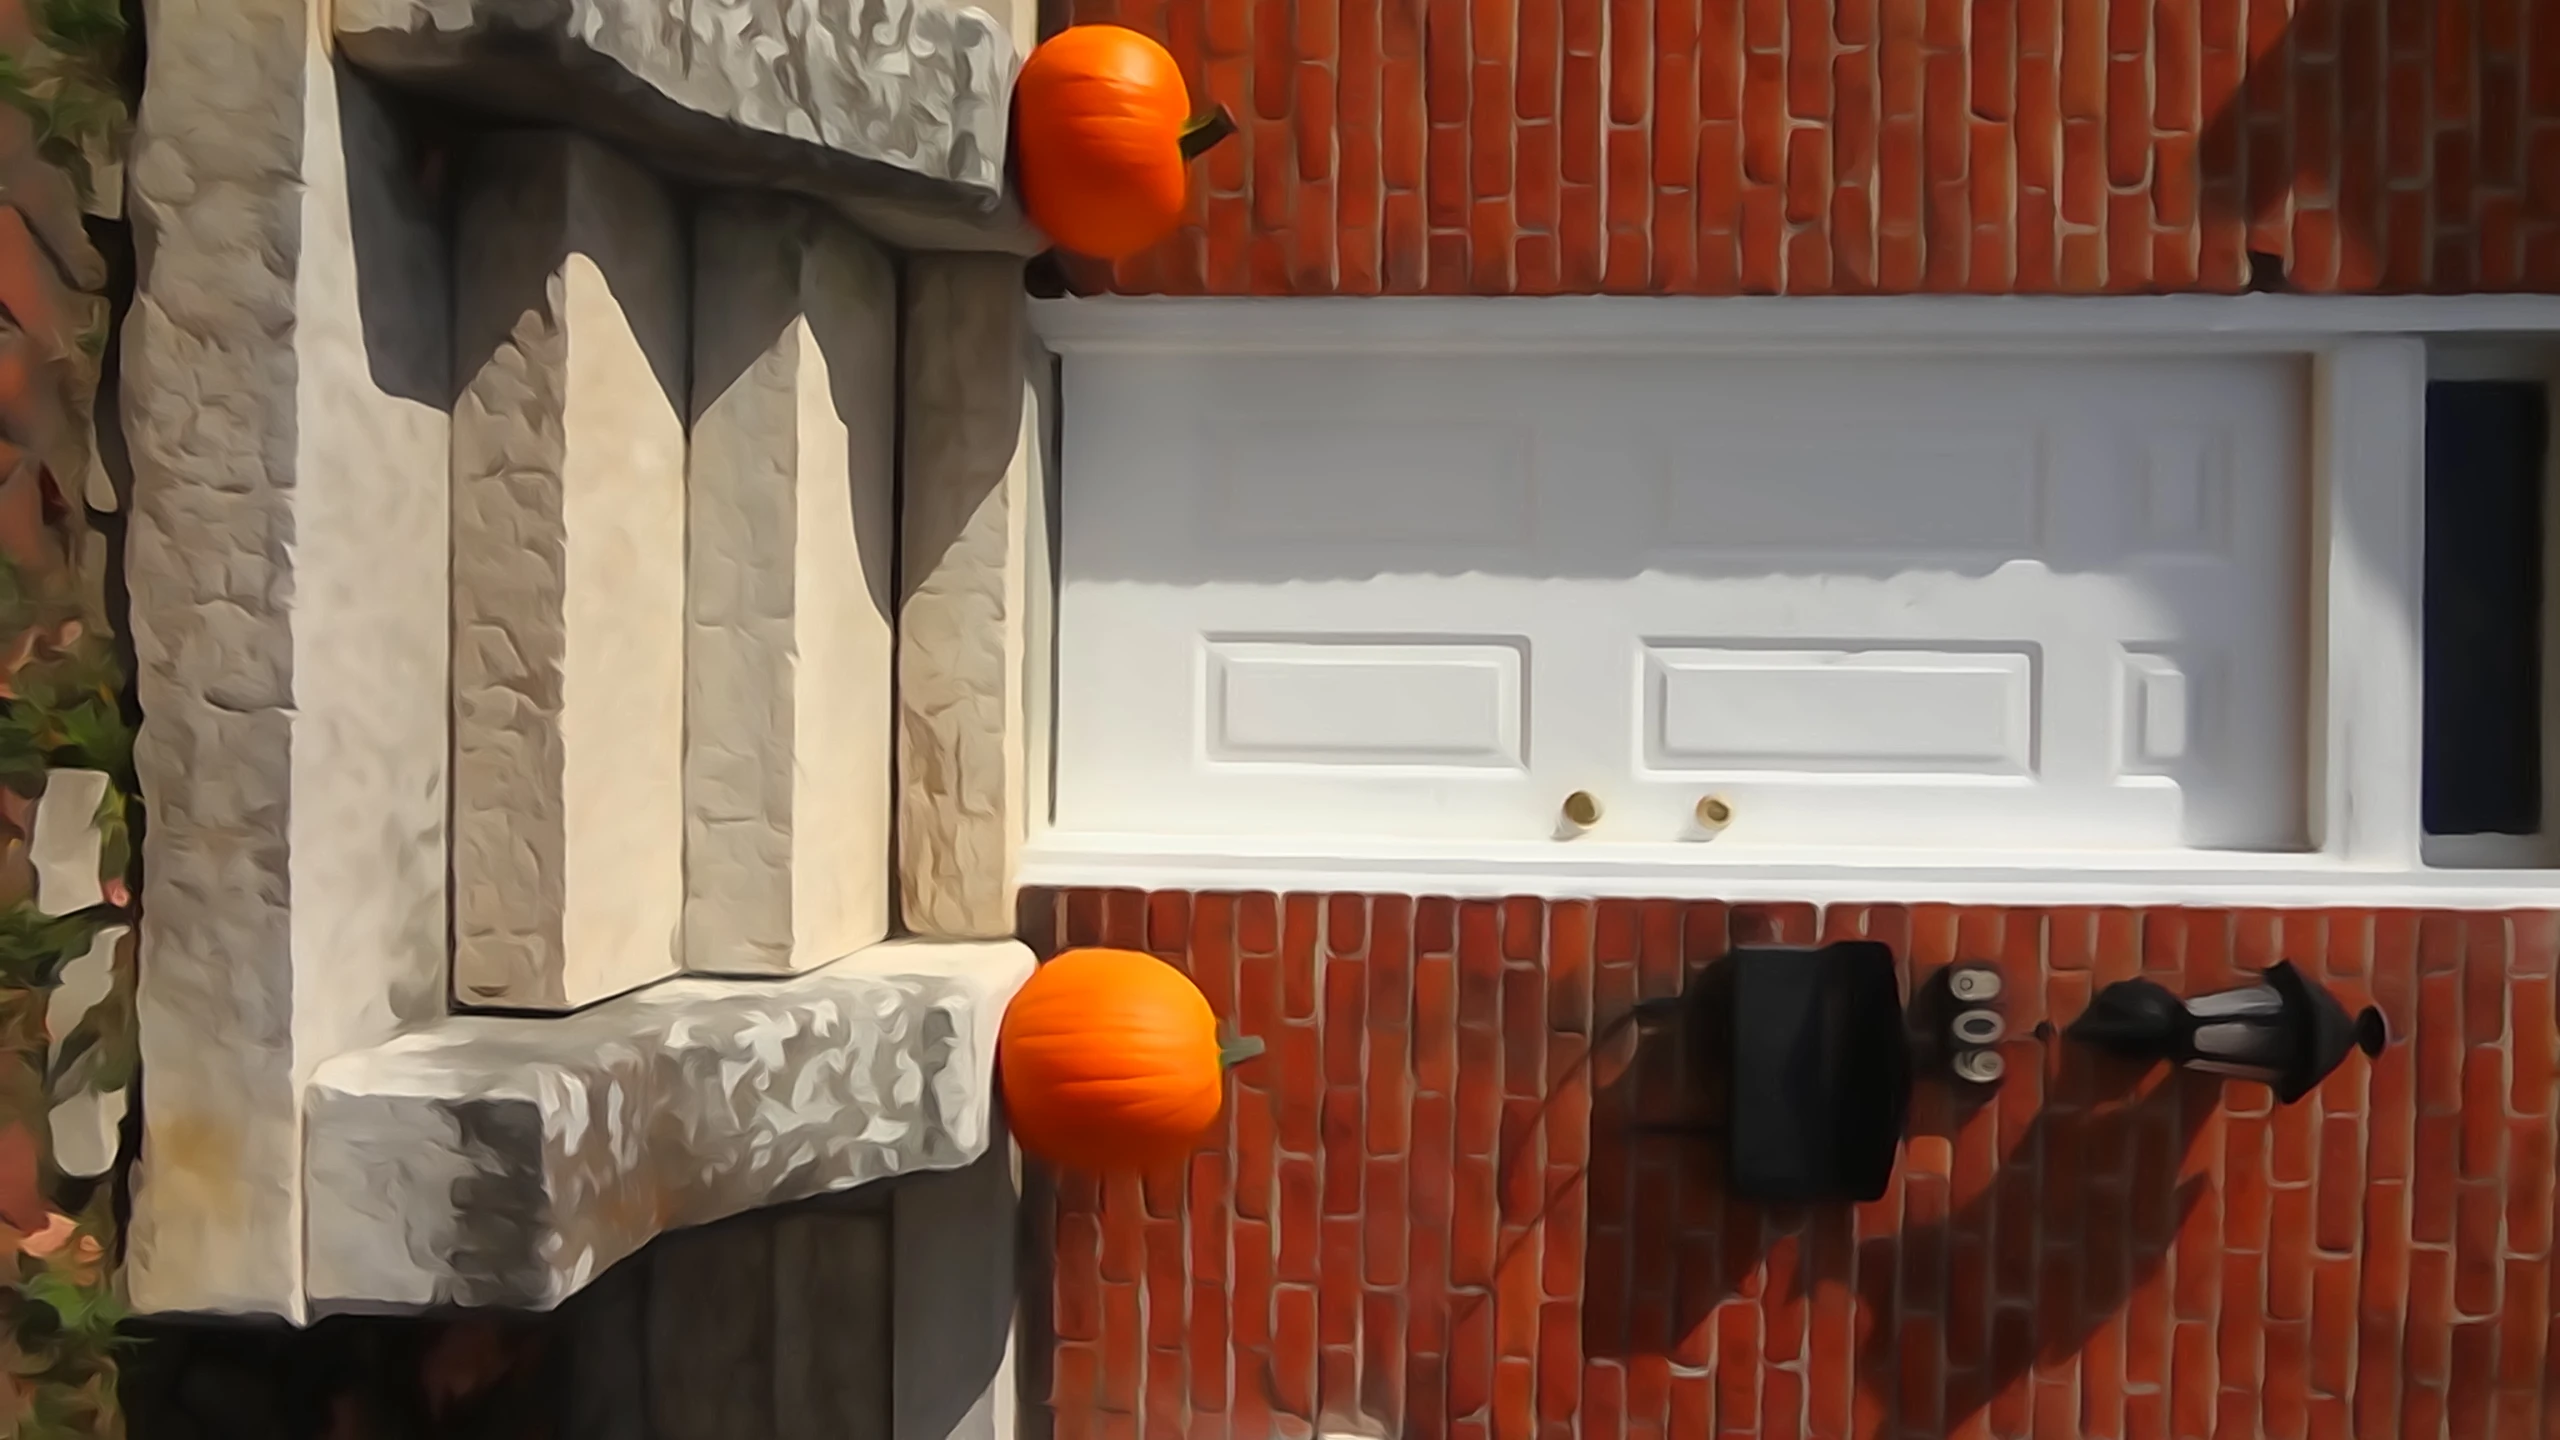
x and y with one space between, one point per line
1635 325
2369 364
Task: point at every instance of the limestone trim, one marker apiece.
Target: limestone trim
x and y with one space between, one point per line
895 113
490 1160
320 1130
973 625
791 541
283 386
567 575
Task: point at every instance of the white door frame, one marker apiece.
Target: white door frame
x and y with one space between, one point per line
2369 372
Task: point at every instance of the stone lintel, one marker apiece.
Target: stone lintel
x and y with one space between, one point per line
506 1161
895 114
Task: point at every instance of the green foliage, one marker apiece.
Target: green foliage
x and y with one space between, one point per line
66 84
83 27
35 946
60 688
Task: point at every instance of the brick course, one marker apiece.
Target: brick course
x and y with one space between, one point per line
1717 147
1426 1218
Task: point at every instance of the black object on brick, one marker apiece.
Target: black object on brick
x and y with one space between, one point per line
1821 1072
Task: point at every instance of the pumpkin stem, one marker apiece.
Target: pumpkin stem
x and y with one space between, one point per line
1204 131
1235 1052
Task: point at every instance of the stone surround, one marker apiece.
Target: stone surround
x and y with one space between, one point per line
895 112
974 605
500 1160
309 378
568 574
791 554
285 404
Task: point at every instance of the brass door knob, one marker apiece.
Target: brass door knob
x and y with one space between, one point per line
1582 808
1714 812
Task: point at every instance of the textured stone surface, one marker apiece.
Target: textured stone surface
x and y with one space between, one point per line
787 649
86 1124
284 382
64 846
495 1160
568 575
969 645
895 111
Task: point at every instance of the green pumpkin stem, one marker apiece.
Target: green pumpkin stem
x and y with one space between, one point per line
1235 1052
1204 131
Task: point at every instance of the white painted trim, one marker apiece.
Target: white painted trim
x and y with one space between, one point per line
1670 872
2368 433
2504 853
2370 364
2511 358
1648 324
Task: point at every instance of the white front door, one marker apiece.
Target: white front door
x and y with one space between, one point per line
1982 603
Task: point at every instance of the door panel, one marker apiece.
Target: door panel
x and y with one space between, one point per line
1943 602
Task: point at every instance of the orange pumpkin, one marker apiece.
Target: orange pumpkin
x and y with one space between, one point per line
1103 132
1110 1061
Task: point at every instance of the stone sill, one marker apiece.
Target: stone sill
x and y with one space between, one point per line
894 114
502 1161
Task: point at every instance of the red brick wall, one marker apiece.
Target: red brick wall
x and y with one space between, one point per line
1816 146
1426 1220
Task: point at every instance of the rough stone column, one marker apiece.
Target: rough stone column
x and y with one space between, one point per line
972 641
285 388
787 661
568 575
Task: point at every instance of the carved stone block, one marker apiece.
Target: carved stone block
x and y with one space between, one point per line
788 651
568 575
893 111
285 385
509 1160
971 647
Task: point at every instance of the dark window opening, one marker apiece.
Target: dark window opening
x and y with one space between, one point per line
2487 442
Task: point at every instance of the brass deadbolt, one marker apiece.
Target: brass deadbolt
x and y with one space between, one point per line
1715 812
1582 808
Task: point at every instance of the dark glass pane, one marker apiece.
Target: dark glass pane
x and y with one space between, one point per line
2483 707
